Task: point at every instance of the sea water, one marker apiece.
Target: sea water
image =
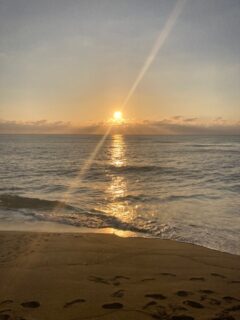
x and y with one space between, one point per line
185 188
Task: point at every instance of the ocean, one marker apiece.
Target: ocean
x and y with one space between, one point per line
184 188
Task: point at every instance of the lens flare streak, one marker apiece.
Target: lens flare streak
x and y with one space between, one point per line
165 32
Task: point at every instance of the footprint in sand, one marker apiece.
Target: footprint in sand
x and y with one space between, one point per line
70 303
4 316
182 317
235 281
206 291
149 304
211 301
114 305
224 317
182 293
115 280
230 299
193 304
234 308
116 283
218 275
5 310
168 274
156 296
118 294
6 302
30 304
161 313
197 279
98 280
148 279
177 308
120 277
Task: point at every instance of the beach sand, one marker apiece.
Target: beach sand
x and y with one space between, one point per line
95 276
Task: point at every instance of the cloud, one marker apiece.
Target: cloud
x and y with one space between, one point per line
34 127
177 125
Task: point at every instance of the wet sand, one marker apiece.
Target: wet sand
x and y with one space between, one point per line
95 276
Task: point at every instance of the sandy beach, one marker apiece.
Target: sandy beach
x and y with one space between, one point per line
97 276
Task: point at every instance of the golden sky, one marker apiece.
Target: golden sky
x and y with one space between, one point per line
76 61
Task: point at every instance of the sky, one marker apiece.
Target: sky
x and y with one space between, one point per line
71 63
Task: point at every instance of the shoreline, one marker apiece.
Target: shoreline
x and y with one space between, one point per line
52 227
86 276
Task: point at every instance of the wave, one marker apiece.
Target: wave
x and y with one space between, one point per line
43 210
145 198
141 169
9 201
100 220
190 196
233 188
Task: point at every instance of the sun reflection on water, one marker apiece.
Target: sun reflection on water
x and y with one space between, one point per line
118 157
117 205
118 186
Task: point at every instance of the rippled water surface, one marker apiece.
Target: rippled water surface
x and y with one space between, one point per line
177 187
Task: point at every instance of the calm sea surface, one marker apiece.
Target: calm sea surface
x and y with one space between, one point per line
176 187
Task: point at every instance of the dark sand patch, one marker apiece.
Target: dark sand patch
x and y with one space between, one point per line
206 291
120 278
114 305
157 296
218 275
148 279
233 308
4 316
70 303
235 281
230 299
168 274
183 293
224 317
197 279
193 304
175 307
30 304
182 317
98 280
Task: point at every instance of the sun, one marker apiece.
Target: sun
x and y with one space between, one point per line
117 116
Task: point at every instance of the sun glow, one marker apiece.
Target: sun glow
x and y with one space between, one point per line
118 117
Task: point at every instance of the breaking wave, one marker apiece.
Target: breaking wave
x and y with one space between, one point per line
43 210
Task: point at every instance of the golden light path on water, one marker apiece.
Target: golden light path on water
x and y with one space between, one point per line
118 188
118 185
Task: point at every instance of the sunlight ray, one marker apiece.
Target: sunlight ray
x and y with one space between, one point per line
161 39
